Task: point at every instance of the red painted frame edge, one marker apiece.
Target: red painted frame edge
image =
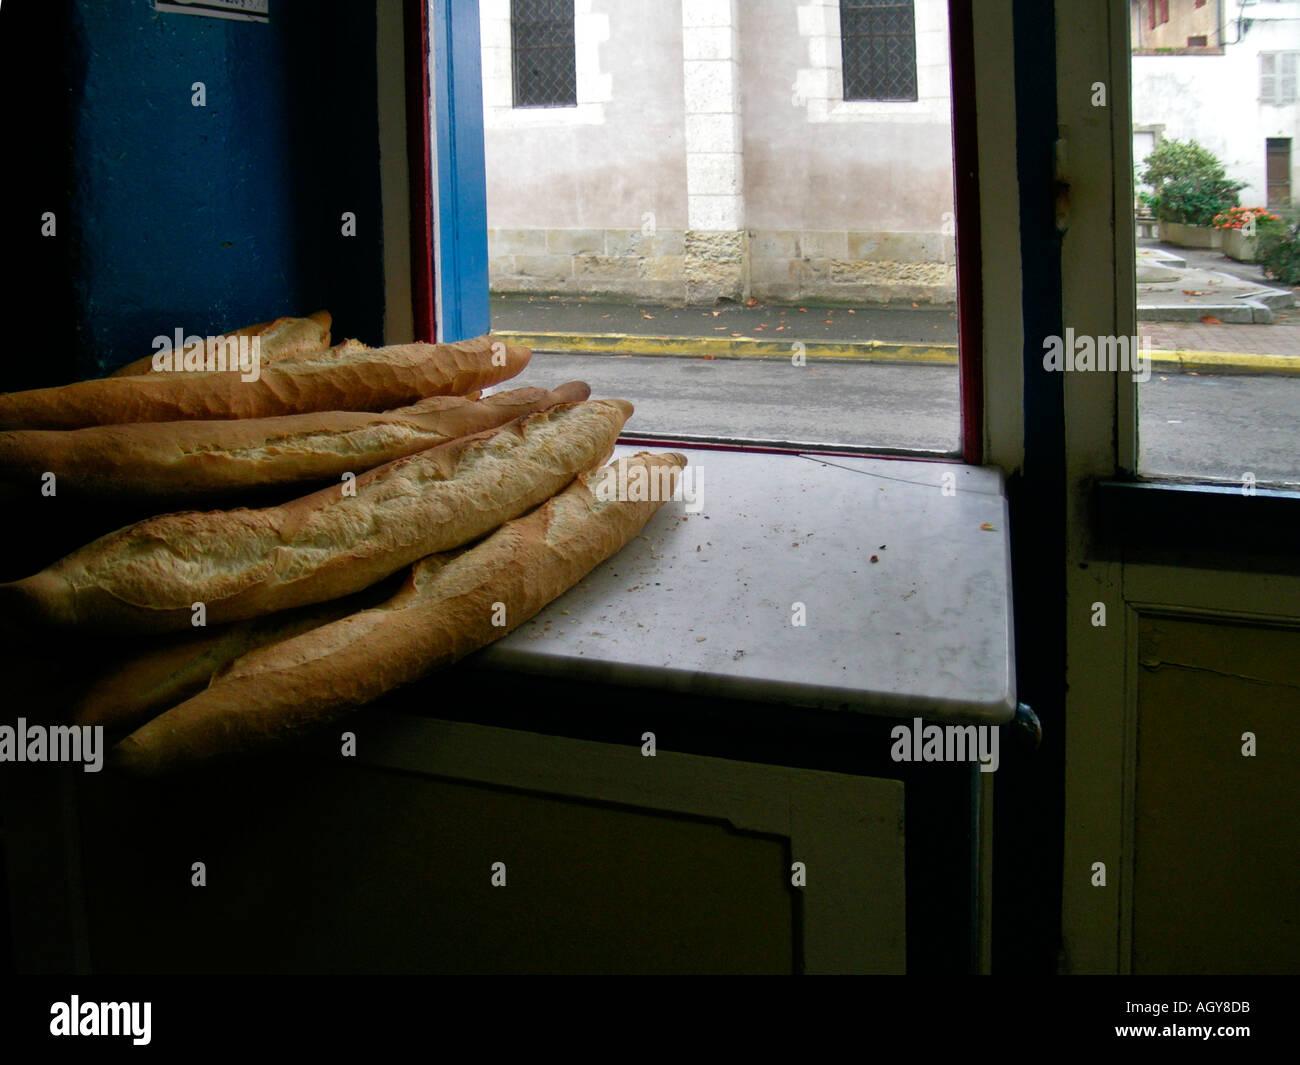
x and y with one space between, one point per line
966 203
419 155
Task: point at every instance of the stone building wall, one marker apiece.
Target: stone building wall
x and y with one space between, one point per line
711 156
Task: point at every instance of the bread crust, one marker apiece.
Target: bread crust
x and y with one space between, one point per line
280 338
171 668
186 463
348 376
447 608
243 563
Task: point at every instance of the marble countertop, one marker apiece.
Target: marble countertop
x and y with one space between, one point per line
899 570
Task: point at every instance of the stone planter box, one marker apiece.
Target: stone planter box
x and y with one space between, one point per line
1191 236
1239 247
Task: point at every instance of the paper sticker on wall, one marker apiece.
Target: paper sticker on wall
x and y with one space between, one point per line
244 10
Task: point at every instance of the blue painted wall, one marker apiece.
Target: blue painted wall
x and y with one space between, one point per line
172 215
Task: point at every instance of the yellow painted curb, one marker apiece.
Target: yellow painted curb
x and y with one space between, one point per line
731 347
1223 361
866 351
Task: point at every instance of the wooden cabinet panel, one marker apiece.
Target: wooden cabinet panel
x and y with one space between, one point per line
1216 863
613 862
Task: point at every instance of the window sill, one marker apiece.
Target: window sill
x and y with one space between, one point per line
705 605
1200 521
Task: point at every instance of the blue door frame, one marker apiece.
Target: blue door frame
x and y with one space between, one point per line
459 179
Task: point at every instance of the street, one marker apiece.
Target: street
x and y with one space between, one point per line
1214 426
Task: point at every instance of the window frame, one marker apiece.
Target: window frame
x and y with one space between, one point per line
1187 521
571 55
844 58
1278 97
975 421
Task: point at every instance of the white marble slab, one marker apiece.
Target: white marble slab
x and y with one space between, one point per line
703 603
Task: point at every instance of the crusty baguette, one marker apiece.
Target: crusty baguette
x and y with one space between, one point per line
277 339
444 611
165 670
189 462
348 376
244 563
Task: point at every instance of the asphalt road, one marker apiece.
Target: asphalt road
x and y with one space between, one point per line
1202 426
770 399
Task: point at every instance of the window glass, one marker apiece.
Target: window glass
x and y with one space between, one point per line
717 233
542 41
1218 246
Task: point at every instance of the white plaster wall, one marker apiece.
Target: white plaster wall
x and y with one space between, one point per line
615 159
816 162
807 160
1215 100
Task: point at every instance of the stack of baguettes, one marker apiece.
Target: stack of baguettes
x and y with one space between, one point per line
444 521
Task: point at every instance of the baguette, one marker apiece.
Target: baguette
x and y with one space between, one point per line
348 376
189 462
445 610
282 337
172 668
242 563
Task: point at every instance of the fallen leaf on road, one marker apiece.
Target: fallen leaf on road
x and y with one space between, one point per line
650 316
914 305
1189 292
751 303
1209 319
803 310
986 527
715 313
852 311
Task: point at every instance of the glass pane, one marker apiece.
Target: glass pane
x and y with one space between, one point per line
1218 248
717 235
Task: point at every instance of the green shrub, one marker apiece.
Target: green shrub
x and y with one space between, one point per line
1278 252
1190 183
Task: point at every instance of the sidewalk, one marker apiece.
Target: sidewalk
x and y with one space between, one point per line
892 334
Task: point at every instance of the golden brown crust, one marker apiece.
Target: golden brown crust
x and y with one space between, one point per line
345 377
188 462
166 670
282 337
445 610
242 563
